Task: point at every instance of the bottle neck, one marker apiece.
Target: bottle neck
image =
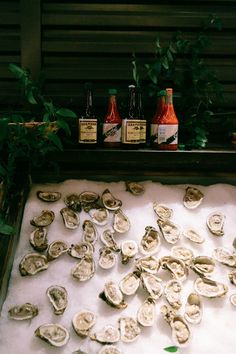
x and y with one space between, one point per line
89 111
132 102
112 112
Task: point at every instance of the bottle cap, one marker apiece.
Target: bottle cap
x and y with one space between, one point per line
161 93
112 91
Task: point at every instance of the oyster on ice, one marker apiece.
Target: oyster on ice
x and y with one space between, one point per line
107 237
215 223
176 266
107 258
193 197
56 249
232 277
54 334
44 219
224 256
193 308
70 218
135 188
210 288
129 329
152 284
146 314
84 269
109 201
203 265
113 295
162 211
100 216
47 196
38 239
170 231
88 197
150 242
193 236
233 299
32 263
107 335
121 223
82 322
129 249
79 250
148 264
130 283
183 253
89 232
109 349
172 292
23 312
72 201
58 297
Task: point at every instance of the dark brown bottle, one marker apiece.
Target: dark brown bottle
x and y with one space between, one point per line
142 120
112 123
88 124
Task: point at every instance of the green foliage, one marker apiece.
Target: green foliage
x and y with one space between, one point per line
171 349
180 64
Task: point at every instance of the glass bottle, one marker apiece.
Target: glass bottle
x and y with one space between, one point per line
140 116
88 124
161 100
167 138
112 123
131 124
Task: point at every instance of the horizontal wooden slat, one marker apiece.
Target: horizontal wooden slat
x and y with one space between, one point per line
9 39
9 14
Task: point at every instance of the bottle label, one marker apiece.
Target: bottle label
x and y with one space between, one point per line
143 124
167 134
154 133
111 132
131 131
88 131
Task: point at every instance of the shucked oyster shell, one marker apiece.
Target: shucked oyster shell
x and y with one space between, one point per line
107 335
172 291
84 269
70 218
45 218
109 201
183 253
162 211
148 264
193 308
152 284
56 249
121 222
38 239
215 223
146 314
129 329
203 265
58 297
89 232
129 249
232 277
233 299
100 216
88 197
109 349
23 312
170 231
72 201
150 242
224 256
33 263
193 236
107 258
82 322
54 334
135 188
113 295
47 196
193 197
130 283
176 266
81 249
107 237
210 288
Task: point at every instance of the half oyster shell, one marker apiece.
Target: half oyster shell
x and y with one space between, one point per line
81 249
109 349
130 283
163 212
210 288
88 197
170 231
38 239
89 232
224 256
23 312
146 314
215 223
172 292
203 265
233 299
32 263
232 277
113 295
193 236
72 201
100 216
150 242
148 264
107 335
84 269
56 249
183 253
135 188
70 218
47 196
44 219
129 249
109 201
107 258
58 297
152 285
129 329
107 237
121 222
54 334
176 266
193 197
82 322
193 309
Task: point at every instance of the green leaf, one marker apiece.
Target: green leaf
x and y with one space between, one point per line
6 229
63 125
171 349
30 96
65 112
16 70
164 62
55 140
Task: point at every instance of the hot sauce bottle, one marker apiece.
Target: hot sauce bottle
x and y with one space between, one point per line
88 124
112 122
161 100
131 123
167 135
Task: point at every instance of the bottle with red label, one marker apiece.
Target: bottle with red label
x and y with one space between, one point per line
112 123
167 135
161 101
88 123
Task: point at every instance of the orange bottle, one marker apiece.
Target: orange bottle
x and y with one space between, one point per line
161 100
167 136
112 123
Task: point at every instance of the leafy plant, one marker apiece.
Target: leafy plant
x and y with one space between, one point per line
28 139
180 63
171 349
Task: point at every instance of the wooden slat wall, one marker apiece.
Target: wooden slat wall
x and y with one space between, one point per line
76 41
